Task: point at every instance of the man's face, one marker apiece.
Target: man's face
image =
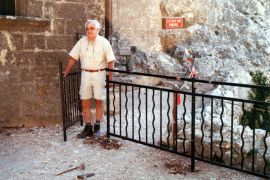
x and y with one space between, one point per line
91 31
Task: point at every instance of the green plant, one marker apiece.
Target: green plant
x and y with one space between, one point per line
250 152
218 159
267 165
258 116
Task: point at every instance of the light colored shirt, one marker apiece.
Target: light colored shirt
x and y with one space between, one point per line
93 55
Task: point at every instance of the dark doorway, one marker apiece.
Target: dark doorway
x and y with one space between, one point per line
7 7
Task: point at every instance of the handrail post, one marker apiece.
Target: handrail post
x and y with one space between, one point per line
62 101
174 124
108 103
193 128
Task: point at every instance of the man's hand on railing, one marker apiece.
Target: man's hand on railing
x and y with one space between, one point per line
64 73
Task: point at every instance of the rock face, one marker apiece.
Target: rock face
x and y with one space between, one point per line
229 40
231 37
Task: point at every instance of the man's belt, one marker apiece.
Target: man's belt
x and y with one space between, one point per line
93 70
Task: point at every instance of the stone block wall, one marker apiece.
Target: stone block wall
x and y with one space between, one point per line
31 45
136 23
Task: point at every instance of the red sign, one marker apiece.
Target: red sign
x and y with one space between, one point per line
173 23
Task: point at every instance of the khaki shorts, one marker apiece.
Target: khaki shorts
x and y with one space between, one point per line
93 85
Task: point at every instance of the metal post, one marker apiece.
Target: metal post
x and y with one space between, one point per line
193 128
174 124
62 101
108 103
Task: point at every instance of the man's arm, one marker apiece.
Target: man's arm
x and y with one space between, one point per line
71 62
111 66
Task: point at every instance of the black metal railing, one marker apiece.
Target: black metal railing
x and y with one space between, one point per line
206 127
70 100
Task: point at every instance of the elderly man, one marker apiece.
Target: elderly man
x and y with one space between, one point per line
95 54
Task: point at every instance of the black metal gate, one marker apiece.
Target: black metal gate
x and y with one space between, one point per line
70 99
203 127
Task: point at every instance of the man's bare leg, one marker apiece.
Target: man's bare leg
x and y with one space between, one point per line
86 104
88 129
99 116
99 110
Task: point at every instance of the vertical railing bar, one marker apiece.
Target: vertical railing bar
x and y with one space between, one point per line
139 109
146 114
69 102
76 99
154 117
73 100
265 144
65 89
184 127
176 112
193 128
79 100
66 101
202 152
168 124
232 115
253 140
62 101
114 119
242 138
211 149
120 109
126 110
78 96
108 104
132 91
160 115
221 128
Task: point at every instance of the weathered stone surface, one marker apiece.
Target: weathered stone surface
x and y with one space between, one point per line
33 42
60 42
78 27
23 24
20 58
230 33
133 25
49 59
65 10
30 51
34 8
58 26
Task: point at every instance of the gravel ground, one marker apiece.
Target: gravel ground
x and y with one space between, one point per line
41 153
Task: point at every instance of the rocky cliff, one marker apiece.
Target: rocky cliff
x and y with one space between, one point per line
229 37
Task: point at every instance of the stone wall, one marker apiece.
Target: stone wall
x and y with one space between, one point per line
31 46
136 23
41 34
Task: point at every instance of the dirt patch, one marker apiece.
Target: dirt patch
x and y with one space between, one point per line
103 141
175 166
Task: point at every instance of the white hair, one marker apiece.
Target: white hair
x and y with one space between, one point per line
92 21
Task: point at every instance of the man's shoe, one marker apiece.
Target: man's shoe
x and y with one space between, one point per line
97 129
87 132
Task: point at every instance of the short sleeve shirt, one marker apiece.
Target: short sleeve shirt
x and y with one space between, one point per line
93 55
